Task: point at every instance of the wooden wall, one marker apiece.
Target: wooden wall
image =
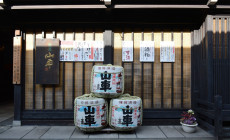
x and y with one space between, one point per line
61 96
182 43
221 57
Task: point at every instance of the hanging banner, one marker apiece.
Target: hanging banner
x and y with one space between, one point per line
87 51
78 50
66 51
127 51
167 51
93 50
47 61
98 50
82 51
147 51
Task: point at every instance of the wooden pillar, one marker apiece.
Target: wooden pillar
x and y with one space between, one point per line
218 123
17 55
209 55
192 69
108 37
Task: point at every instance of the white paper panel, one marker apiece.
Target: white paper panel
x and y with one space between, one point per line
82 51
127 51
167 51
147 51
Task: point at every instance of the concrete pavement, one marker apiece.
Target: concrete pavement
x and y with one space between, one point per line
70 132
9 132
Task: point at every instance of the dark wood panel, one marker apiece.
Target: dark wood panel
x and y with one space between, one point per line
47 61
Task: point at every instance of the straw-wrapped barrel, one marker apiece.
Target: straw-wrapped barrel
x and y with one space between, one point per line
107 81
90 113
125 113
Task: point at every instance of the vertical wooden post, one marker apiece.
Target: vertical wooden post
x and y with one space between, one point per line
108 37
182 72
192 69
209 55
218 117
17 52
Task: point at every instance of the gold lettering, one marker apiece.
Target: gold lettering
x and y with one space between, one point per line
47 56
49 62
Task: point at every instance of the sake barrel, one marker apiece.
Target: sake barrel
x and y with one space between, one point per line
90 113
125 112
107 81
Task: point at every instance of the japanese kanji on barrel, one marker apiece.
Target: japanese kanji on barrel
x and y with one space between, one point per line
107 81
90 113
125 113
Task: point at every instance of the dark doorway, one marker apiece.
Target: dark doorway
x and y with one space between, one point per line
6 55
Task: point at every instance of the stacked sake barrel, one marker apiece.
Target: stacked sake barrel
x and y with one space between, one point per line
92 113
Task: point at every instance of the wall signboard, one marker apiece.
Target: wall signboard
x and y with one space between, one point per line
47 61
17 54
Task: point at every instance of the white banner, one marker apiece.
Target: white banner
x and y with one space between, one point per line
127 51
167 51
66 50
147 51
78 50
82 51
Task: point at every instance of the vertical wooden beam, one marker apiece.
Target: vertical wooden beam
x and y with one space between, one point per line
182 72
192 70
17 52
123 38
17 103
228 58
73 92
83 70
152 75
217 56
43 97
172 77
17 67
43 86
63 80
209 56
23 69
218 117
162 76
196 63
34 83
108 37
53 96
132 86
93 40
142 72
222 61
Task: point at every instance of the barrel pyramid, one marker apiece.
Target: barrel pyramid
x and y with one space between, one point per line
106 104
